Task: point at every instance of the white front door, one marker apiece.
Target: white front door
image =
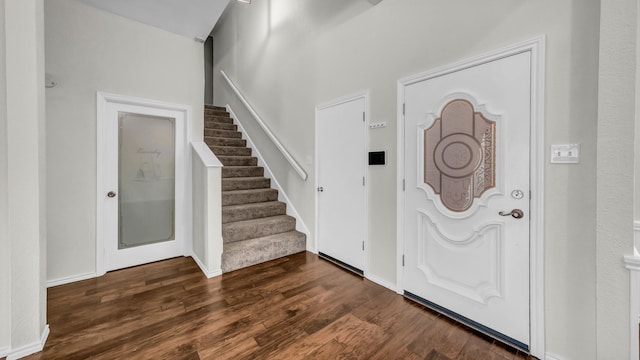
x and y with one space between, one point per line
466 203
341 158
141 193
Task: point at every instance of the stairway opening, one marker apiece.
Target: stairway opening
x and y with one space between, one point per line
255 226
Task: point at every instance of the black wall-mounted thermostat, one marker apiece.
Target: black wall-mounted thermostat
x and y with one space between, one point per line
376 158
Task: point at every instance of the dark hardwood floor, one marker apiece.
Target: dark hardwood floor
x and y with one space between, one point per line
299 307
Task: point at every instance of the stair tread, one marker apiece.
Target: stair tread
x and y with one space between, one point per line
248 196
215 107
248 191
270 219
253 228
227 134
243 243
239 212
249 252
260 204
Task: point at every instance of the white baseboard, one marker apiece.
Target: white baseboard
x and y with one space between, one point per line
4 351
30 348
389 285
291 210
550 356
70 279
208 273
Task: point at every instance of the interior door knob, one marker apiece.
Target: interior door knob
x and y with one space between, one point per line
320 189
111 194
515 213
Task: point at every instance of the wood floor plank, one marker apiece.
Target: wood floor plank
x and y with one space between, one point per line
297 307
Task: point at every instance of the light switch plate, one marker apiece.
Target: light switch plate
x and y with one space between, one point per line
565 153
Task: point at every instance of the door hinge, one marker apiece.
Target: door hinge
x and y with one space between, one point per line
403 184
363 116
363 181
403 108
402 260
363 246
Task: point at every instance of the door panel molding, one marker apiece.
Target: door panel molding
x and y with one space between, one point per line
108 106
486 280
536 47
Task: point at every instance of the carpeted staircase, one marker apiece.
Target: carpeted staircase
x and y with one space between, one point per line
255 227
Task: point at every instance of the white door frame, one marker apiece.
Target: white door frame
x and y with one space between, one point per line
183 165
536 47
362 95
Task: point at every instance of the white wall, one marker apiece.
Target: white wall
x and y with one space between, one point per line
287 56
5 255
90 50
22 168
616 136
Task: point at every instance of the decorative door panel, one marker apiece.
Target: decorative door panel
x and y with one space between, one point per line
466 237
440 256
457 156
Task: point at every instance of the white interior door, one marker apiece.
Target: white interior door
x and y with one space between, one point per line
341 158
142 191
466 137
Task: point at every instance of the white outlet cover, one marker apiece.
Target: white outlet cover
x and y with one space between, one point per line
565 153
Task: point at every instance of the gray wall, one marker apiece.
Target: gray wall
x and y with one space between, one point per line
287 56
5 256
89 50
22 166
615 177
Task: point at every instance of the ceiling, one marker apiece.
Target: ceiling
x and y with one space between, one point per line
190 18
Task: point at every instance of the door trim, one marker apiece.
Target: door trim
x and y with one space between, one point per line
365 96
536 47
183 165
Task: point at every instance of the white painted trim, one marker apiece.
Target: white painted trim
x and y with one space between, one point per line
287 155
282 195
382 282
29 349
537 48
70 279
207 157
4 351
183 201
632 262
342 100
208 273
550 356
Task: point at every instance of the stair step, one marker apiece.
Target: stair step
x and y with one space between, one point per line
230 150
242 212
238 160
219 126
216 141
214 107
242 171
245 183
254 228
210 119
215 112
248 196
222 133
245 253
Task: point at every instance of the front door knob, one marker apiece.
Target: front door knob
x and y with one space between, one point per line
515 213
111 194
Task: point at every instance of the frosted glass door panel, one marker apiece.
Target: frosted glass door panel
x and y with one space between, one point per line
146 163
